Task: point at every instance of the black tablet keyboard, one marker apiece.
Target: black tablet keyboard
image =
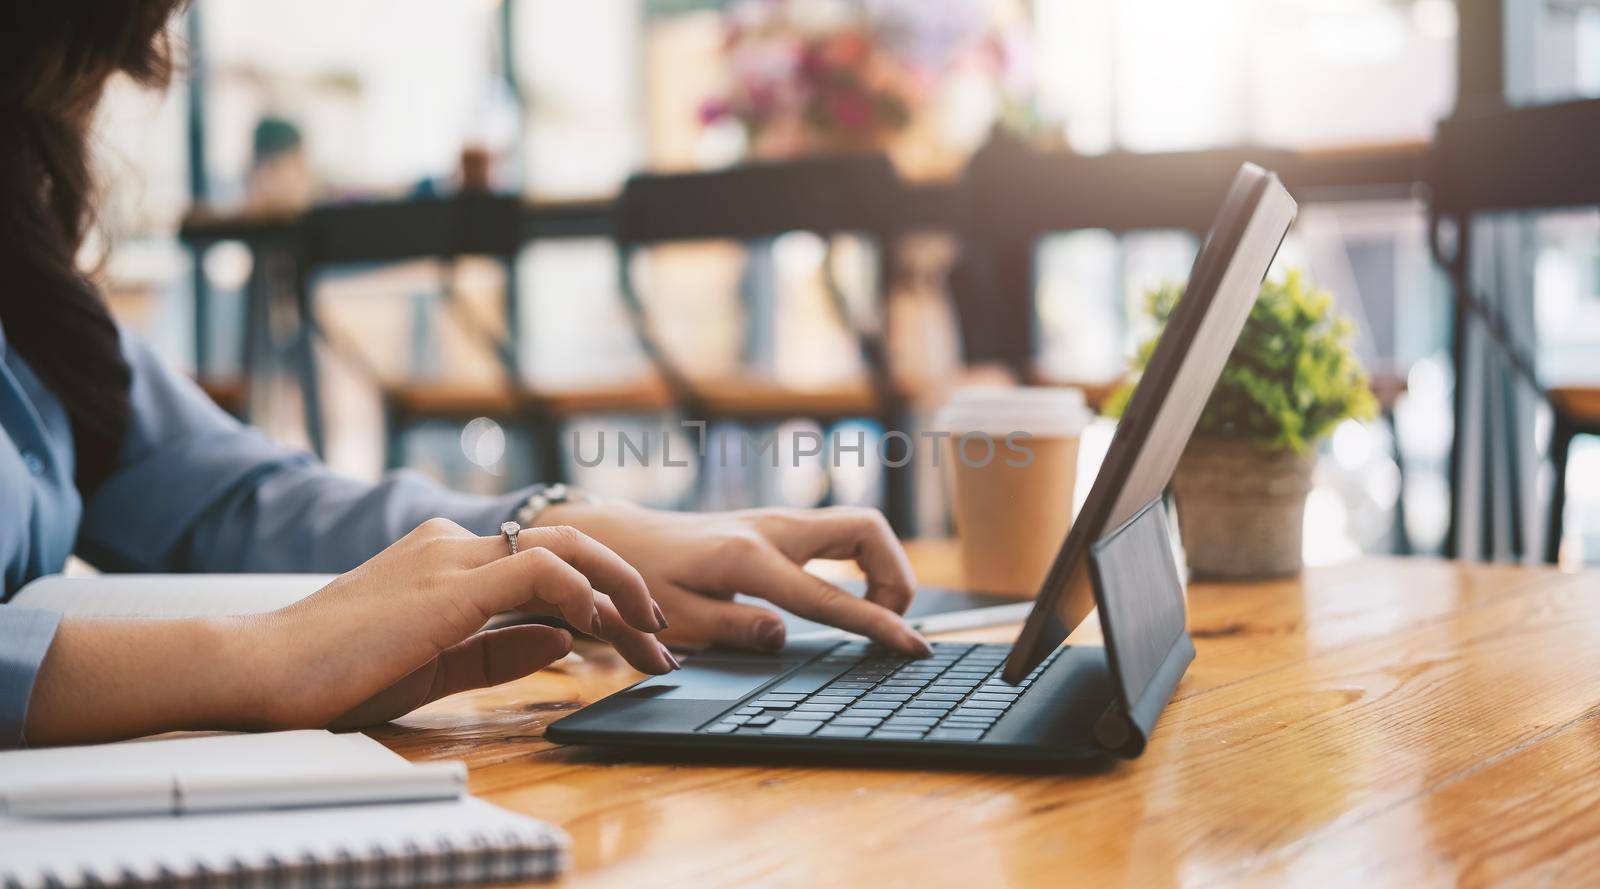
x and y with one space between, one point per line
859 690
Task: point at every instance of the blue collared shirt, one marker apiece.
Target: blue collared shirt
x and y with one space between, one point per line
193 490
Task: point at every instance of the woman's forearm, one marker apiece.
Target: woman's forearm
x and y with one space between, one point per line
108 679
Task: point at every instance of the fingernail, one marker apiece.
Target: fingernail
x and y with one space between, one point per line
661 619
770 636
594 625
667 652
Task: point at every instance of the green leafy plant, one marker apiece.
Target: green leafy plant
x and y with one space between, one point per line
1290 378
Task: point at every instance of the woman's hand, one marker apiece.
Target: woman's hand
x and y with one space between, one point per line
403 629
378 642
695 562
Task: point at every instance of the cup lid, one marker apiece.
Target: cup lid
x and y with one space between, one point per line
1002 410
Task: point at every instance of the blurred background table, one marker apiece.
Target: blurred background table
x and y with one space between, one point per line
1381 722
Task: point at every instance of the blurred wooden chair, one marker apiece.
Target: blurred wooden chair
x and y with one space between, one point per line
826 196
448 230
1577 412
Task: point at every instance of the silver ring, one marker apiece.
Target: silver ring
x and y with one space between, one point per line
510 530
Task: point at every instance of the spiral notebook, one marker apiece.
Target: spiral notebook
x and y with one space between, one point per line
449 839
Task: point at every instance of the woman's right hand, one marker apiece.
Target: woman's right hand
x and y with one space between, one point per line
380 641
403 629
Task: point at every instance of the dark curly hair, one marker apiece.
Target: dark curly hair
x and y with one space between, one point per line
55 59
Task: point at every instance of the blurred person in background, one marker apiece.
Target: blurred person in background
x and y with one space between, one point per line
110 455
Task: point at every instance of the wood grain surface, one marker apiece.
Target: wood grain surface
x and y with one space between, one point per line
1387 722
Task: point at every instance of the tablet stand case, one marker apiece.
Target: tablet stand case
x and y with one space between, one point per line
1139 595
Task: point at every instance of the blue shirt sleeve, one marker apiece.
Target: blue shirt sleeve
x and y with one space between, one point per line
25 635
195 490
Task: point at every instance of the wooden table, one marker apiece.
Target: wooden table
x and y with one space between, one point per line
1388 722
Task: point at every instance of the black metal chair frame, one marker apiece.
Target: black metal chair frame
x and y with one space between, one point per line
827 196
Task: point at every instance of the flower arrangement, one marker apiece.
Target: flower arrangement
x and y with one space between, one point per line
1291 377
808 76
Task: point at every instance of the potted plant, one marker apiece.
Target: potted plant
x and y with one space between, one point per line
1241 483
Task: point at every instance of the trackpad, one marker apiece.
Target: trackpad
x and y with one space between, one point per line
724 680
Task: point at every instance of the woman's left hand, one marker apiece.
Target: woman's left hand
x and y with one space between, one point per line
693 564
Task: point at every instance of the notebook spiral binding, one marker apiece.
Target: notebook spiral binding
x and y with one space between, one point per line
511 857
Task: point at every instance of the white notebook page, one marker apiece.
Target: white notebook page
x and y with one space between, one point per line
168 595
468 835
79 852
206 758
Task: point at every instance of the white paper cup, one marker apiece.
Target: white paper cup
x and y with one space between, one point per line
1011 464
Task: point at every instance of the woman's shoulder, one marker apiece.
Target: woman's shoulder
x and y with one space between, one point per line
164 401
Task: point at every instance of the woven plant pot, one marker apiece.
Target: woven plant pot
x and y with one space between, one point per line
1241 509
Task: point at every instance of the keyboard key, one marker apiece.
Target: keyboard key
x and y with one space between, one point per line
818 708
831 699
758 721
750 711
979 704
915 725
955 734
890 735
856 721
922 712
735 719
878 712
768 704
844 731
990 707
722 728
1005 700
781 696
948 697
792 727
